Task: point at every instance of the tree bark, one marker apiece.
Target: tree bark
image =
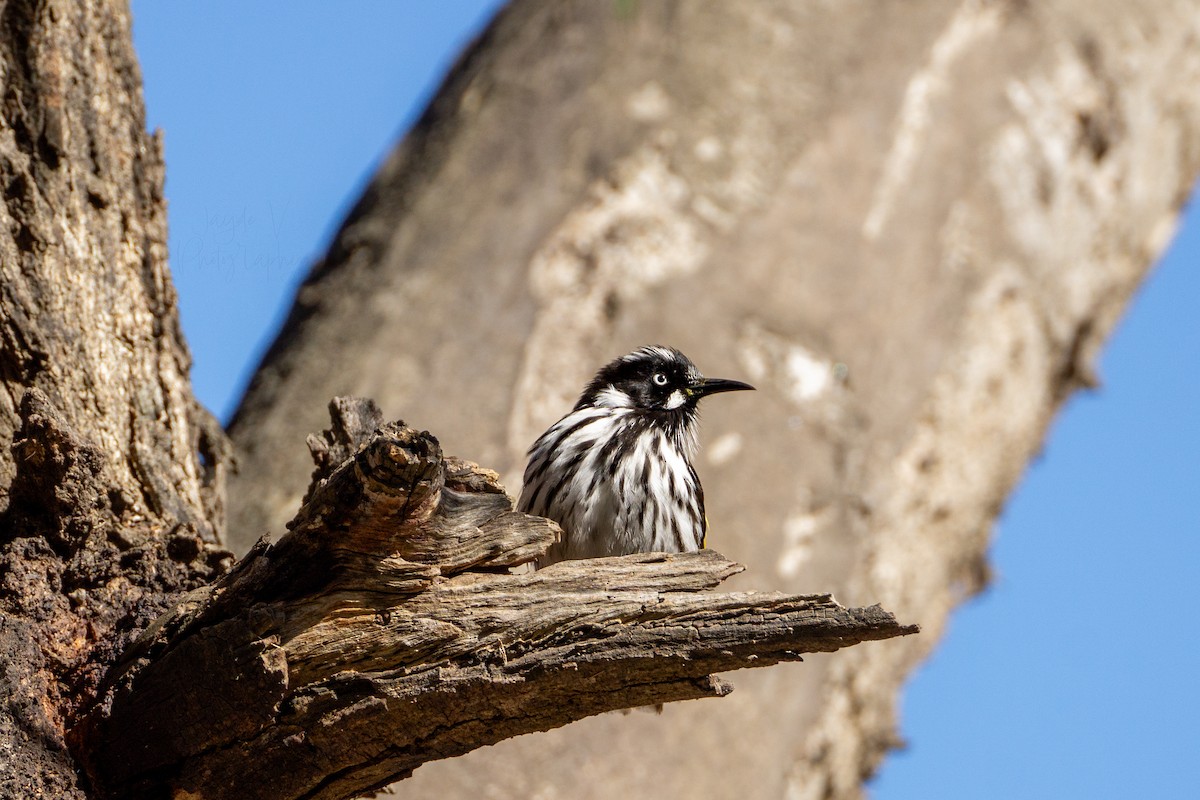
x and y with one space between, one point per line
110 472
936 211
911 224
385 630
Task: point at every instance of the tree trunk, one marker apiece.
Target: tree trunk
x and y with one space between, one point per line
383 631
911 224
110 472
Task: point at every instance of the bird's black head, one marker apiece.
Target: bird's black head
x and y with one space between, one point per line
653 378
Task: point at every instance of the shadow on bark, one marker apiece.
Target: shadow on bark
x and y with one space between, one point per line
387 629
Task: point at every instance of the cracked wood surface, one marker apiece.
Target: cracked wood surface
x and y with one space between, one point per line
110 471
385 630
910 225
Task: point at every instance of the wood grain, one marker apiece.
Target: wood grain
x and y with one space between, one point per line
386 630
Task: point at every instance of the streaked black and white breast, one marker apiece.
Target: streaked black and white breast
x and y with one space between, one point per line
616 472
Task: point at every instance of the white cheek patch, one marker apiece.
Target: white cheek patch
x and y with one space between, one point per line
612 397
676 399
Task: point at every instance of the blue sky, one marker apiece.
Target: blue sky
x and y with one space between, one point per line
275 115
1075 675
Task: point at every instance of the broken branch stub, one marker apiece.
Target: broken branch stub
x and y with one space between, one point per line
385 630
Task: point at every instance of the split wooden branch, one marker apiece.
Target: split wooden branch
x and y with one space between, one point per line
386 629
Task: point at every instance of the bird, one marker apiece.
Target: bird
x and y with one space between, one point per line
616 472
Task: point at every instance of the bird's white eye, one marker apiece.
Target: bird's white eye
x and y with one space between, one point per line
660 379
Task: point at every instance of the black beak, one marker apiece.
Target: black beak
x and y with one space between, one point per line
708 386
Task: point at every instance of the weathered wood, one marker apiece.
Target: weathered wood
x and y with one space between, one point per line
910 224
381 633
110 472
947 202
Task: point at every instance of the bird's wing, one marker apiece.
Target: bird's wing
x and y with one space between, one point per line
700 505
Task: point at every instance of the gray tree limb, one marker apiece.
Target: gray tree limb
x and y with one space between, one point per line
384 631
911 225
381 633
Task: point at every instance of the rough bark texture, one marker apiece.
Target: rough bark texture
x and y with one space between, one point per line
109 471
910 224
384 630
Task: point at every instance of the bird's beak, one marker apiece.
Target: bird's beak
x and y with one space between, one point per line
707 386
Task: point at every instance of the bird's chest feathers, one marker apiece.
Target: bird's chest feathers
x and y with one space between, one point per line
619 481
650 496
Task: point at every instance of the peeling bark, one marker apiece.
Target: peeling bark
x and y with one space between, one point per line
384 631
106 506
912 225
